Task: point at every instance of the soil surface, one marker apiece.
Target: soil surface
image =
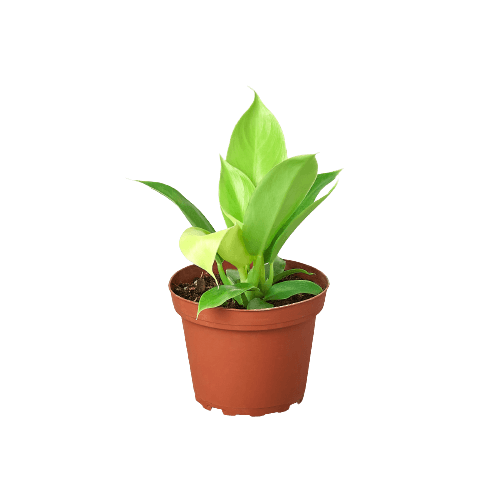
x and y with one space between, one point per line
194 290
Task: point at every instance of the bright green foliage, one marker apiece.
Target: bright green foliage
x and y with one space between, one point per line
278 267
233 249
235 190
257 142
263 197
284 274
259 304
275 199
290 226
193 215
233 275
286 289
217 296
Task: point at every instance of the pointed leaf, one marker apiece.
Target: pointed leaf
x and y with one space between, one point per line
259 304
321 181
284 274
233 249
218 295
235 190
200 247
257 142
290 226
286 289
275 199
193 215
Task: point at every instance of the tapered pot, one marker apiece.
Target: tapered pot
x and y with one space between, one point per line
249 362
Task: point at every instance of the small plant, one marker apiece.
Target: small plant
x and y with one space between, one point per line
263 196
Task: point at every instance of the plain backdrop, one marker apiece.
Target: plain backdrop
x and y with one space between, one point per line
96 399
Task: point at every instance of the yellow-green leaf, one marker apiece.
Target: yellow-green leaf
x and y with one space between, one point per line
257 142
228 219
232 248
200 247
235 190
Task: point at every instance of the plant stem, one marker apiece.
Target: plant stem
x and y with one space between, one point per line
222 273
256 276
269 282
260 271
243 274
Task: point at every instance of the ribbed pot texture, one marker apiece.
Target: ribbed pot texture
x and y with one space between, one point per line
249 362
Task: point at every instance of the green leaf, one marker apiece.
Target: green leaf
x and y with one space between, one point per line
235 190
290 226
278 267
233 275
258 304
200 247
321 181
275 199
230 220
286 289
193 215
217 296
223 276
233 249
284 274
257 142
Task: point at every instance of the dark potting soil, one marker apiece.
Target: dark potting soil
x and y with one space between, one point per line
194 290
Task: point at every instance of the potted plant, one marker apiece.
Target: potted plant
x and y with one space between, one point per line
248 315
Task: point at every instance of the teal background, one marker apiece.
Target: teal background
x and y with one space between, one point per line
96 399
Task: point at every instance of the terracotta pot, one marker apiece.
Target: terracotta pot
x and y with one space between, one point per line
249 362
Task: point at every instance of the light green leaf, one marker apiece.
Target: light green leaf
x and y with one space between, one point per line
193 215
258 304
217 296
275 199
257 142
230 220
233 249
235 190
286 289
200 247
284 274
290 226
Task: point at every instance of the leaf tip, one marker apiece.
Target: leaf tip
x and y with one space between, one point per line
256 98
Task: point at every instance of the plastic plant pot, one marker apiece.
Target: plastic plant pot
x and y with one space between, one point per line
249 362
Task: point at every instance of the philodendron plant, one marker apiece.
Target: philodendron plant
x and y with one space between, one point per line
263 196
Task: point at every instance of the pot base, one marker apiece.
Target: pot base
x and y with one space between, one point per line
252 412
